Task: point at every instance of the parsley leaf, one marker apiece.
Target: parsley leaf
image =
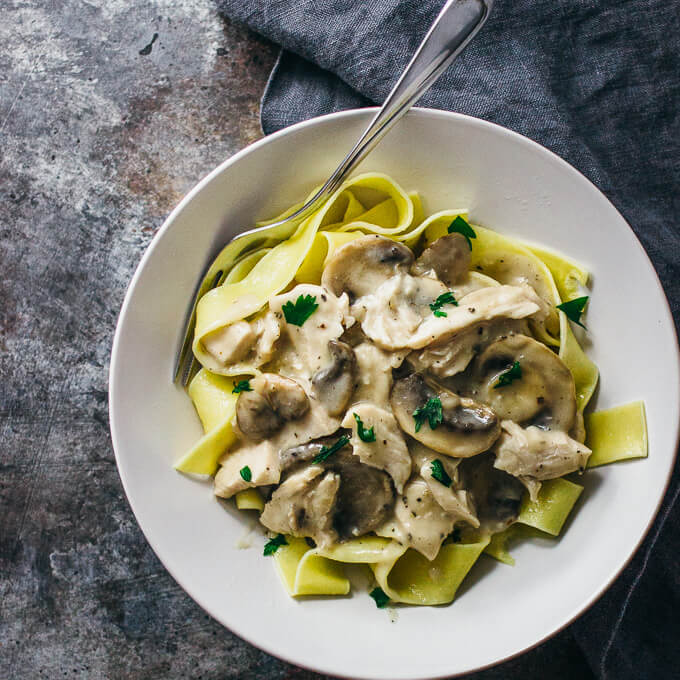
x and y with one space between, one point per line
381 599
439 473
328 451
431 411
246 474
366 435
574 308
513 373
444 299
273 544
460 226
299 312
242 386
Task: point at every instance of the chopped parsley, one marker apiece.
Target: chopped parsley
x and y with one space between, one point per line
460 226
431 411
246 474
299 312
273 544
574 308
328 451
242 386
439 473
381 599
366 435
513 373
444 299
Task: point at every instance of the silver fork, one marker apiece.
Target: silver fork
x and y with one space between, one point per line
452 30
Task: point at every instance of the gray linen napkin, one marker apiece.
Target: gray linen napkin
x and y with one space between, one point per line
597 82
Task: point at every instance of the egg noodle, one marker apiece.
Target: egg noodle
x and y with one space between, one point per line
375 204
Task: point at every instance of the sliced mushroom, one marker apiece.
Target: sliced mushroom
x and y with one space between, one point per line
304 505
272 401
334 384
360 266
448 257
496 495
365 496
302 453
544 395
466 429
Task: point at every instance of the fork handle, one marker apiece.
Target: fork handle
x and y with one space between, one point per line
452 30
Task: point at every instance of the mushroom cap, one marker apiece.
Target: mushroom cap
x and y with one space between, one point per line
467 427
544 396
448 257
334 384
365 496
272 400
360 266
495 494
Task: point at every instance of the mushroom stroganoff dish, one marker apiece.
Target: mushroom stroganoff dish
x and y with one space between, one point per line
399 391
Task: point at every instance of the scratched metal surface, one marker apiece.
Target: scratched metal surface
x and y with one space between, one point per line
101 133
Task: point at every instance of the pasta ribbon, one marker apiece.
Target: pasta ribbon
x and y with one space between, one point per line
618 433
585 372
547 515
413 579
216 406
244 265
324 245
390 211
570 277
305 572
249 499
403 574
555 501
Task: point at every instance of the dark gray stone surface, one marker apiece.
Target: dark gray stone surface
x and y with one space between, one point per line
102 130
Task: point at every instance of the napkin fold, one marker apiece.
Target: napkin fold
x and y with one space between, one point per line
598 83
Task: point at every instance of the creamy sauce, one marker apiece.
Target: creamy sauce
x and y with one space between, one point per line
305 348
387 451
244 344
374 351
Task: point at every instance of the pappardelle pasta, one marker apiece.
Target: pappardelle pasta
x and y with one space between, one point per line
398 391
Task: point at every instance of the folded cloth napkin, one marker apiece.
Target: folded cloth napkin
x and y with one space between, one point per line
597 82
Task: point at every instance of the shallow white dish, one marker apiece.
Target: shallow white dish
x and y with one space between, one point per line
509 184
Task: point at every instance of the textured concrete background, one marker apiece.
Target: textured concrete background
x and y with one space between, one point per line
102 129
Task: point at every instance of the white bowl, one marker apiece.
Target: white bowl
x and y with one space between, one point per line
510 184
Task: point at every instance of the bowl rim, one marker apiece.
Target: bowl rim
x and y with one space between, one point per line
349 114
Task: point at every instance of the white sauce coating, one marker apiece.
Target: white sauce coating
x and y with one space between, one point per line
263 458
538 454
388 449
394 318
305 348
400 488
244 344
419 521
375 373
